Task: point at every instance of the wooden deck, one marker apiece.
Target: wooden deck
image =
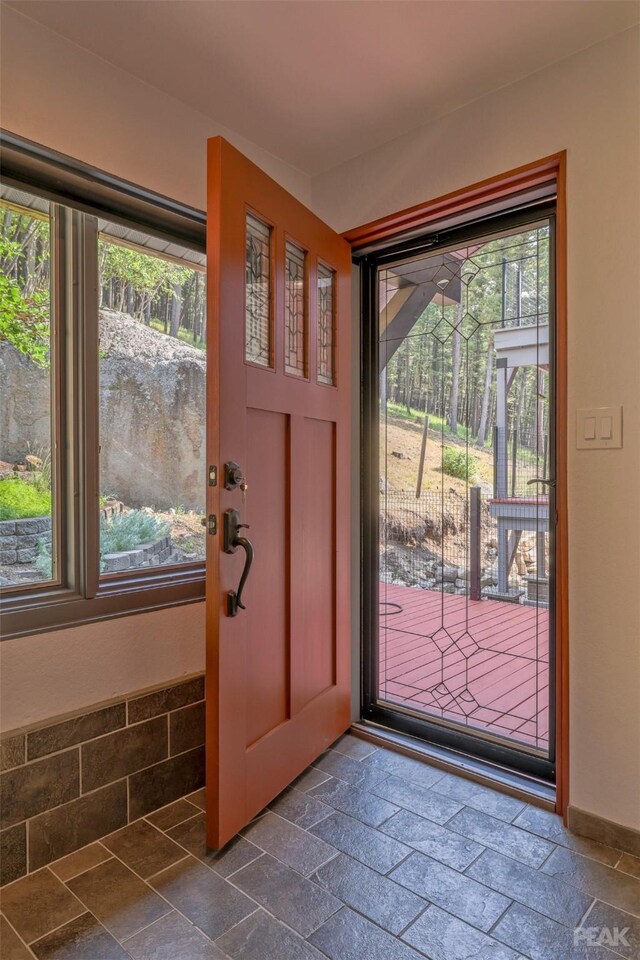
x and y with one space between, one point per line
484 664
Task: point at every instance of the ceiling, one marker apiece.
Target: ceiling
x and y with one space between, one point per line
316 82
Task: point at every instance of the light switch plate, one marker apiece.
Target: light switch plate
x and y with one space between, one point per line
599 428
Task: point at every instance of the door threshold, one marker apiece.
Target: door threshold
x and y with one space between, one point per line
515 784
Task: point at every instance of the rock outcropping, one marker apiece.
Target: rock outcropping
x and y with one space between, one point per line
152 414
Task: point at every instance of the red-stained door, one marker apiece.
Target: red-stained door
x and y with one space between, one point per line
278 679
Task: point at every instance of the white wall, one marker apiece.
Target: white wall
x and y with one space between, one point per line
58 94
54 673
590 105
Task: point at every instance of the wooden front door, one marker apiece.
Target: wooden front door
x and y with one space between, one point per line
278 412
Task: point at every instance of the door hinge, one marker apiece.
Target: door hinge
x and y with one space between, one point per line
212 524
213 476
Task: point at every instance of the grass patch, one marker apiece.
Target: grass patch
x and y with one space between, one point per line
21 500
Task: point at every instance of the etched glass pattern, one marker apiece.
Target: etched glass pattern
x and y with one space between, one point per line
326 325
258 299
295 313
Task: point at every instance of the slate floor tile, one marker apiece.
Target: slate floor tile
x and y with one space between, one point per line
348 936
288 843
406 768
80 939
439 843
260 937
485 799
378 898
540 938
350 799
203 897
312 777
349 770
501 836
604 883
118 898
199 798
549 826
172 938
453 891
365 844
143 848
236 854
613 924
301 904
354 747
443 937
300 808
11 946
83 859
629 864
534 889
418 799
171 816
37 904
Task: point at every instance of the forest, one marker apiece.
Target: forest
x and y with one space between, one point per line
166 295
445 367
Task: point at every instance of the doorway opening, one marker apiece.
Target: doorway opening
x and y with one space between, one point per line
459 512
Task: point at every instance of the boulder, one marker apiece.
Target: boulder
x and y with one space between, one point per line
152 414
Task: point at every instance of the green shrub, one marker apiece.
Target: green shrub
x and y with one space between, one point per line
457 463
124 531
20 500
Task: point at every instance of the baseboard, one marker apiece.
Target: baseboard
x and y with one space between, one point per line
612 834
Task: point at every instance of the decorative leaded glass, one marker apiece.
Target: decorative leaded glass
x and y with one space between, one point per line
257 311
295 313
326 324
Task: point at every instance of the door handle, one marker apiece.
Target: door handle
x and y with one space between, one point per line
547 483
231 541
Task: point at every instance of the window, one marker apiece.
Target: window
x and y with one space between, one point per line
27 474
102 394
152 361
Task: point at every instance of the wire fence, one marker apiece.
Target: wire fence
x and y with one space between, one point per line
444 540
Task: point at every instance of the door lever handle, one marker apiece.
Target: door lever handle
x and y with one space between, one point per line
231 541
546 482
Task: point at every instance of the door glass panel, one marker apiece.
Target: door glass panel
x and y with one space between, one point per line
27 466
326 324
152 389
465 554
295 316
258 296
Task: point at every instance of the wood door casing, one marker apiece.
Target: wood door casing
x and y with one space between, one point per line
278 674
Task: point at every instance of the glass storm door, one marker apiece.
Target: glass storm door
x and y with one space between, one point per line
462 611
278 569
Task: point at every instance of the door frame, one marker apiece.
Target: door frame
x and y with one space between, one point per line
468 204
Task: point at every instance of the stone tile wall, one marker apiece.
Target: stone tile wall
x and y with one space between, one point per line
73 780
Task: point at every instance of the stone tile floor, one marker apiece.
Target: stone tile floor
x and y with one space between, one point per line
369 855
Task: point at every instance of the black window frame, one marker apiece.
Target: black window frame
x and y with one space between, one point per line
79 195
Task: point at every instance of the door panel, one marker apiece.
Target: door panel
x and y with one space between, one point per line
278 680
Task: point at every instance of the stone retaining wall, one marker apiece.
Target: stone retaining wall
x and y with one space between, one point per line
19 539
144 555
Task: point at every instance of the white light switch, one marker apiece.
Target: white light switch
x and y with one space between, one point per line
599 428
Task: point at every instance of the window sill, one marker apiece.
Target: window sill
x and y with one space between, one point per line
117 597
